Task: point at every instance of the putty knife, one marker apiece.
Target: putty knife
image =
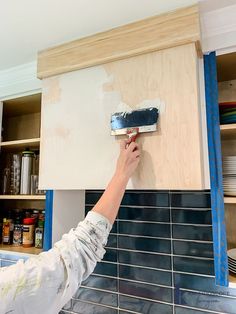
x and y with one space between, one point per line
134 122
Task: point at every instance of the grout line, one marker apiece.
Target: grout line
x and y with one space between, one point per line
163 222
197 309
159 207
94 303
161 238
172 258
216 294
118 269
161 253
126 295
135 281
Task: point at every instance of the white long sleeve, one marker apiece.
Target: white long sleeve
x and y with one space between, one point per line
45 283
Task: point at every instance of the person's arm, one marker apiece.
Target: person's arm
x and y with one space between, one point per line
45 283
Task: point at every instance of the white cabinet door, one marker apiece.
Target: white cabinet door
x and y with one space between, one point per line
77 150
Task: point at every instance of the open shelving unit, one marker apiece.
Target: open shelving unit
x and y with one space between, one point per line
21 120
227 93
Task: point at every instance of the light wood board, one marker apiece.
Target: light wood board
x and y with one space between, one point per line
77 150
159 32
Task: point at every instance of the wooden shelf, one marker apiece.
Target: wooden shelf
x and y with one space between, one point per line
228 131
20 144
230 200
20 249
23 197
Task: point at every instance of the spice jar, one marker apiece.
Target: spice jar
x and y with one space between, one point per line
28 232
39 235
17 233
6 231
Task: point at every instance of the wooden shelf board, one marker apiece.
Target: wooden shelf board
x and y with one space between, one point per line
230 200
228 131
23 197
20 249
30 142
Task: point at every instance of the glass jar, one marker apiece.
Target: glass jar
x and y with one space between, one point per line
28 232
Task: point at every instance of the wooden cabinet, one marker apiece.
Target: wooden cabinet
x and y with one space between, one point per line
77 150
20 130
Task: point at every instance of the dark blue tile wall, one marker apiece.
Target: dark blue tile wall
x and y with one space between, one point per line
159 259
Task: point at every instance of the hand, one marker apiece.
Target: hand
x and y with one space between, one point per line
128 159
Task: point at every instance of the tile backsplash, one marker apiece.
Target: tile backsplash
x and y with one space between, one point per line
159 259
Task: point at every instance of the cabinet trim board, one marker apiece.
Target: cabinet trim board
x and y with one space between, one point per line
167 30
215 164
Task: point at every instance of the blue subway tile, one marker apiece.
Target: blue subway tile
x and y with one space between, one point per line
182 310
200 283
203 233
103 283
144 229
144 244
96 296
145 259
92 197
205 301
193 265
145 275
87 308
145 291
193 248
110 255
143 306
158 199
112 241
191 216
191 200
106 269
144 214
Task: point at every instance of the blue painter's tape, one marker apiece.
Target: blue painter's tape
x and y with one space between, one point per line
47 243
215 162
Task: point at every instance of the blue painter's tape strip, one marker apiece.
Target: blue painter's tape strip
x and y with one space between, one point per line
47 243
215 161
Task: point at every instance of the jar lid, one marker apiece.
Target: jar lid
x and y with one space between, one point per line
28 221
29 152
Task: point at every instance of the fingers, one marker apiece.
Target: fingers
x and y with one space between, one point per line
124 143
132 147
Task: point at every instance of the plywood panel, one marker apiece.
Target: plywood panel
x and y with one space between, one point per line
77 150
227 91
159 32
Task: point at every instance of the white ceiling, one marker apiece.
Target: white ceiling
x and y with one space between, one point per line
27 26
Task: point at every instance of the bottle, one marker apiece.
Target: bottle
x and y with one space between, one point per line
6 231
26 171
11 222
28 232
6 181
15 174
39 235
18 231
35 215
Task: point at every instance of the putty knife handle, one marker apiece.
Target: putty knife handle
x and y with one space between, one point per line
133 134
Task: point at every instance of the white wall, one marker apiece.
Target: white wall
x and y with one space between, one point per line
68 210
